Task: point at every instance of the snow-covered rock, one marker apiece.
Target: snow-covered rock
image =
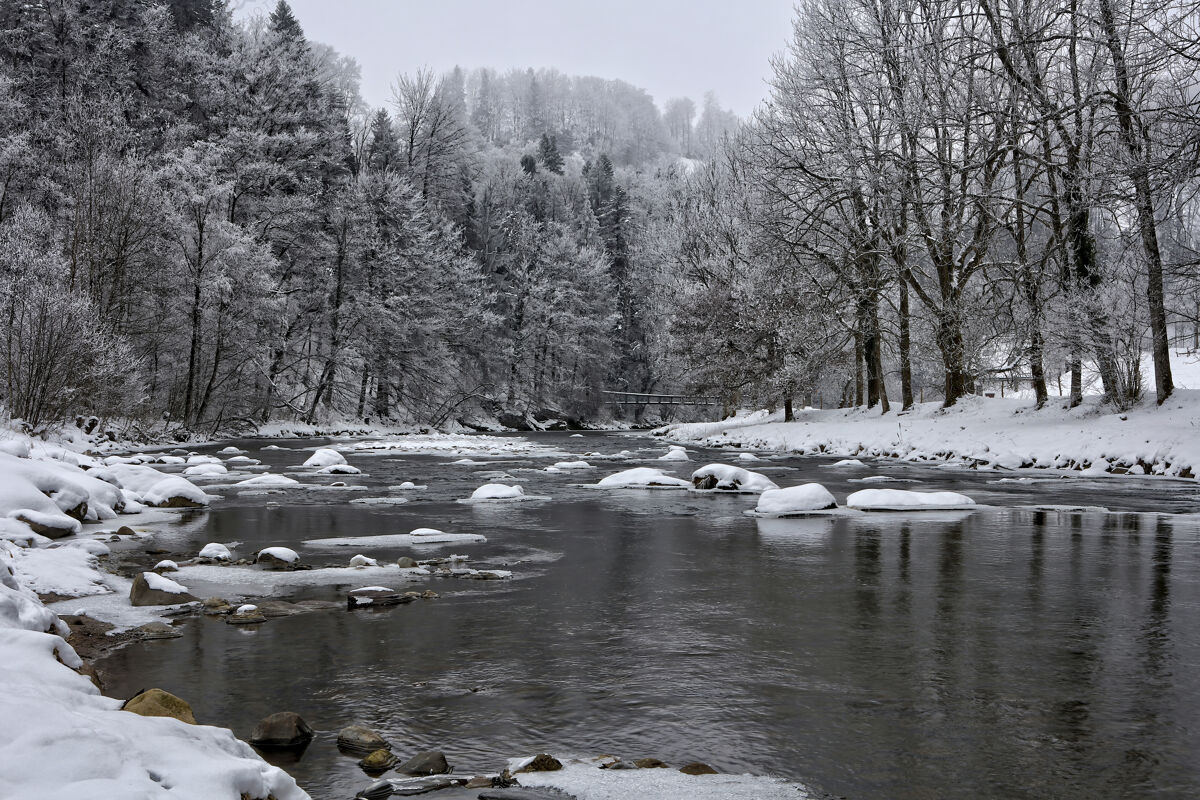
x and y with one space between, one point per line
149 486
748 457
726 478
217 551
192 460
277 557
569 465
175 492
339 469
643 477
325 458
904 500
803 499
497 491
268 479
418 536
206 469
363 561
675 453
230 451
846 462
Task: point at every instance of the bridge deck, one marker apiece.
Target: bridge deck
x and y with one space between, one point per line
646 399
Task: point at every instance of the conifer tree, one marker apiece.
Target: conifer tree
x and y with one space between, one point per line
548 154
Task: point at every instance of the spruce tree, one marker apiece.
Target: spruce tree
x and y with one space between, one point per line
284 22
548 154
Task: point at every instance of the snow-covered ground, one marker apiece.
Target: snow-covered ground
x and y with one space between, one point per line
990 433
63 738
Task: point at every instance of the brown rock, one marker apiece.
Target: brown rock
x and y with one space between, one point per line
404 562
650 763
378 761
361 739
542 762
697 768
284 729
479 782
49 531
125 530
140 594
157 703
429 762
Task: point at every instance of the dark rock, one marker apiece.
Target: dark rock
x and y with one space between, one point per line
246 618
542 762
125 530
79 512
271 562
404 562
650 763
697 768
705 481
429 594
157 703
158 630
379 761
49 531
283 729
279 608
429 762
365 598
479 782
514 422
140 594
361 740
177 502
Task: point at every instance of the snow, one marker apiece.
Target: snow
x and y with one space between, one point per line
20 498
216 550
568 465
748 457
69 571
497 491
339 469
416 537
246 608
586 781
249 582
152 487
675 453
734 479
203 460
379 501
806 498
846 462
230 451
1003 433
901 499
166 564
643 477
162 584
453 444
206 469
285 554
325 458
363 561
74 742
174 486
269 479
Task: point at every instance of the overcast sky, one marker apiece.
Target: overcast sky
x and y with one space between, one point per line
670 48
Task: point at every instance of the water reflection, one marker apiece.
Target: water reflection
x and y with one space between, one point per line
993 654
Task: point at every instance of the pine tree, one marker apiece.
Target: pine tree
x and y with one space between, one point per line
529 164
284 22
548 154
383 153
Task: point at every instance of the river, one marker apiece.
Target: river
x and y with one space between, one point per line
1001 653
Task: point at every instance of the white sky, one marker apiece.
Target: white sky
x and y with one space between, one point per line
670 48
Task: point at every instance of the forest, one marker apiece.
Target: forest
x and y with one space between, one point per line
203 225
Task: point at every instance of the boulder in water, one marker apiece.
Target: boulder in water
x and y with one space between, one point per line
283 729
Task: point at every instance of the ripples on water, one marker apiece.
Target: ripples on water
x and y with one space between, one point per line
1001 653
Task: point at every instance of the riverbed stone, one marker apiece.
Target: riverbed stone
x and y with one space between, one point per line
405 562
140 594
283 729
378 761
246 618
428 762
367 597
650 763
525 793
620 764
542 762
270 561
697 768
158 630
49 531
159 703
479 782
379 790
361 739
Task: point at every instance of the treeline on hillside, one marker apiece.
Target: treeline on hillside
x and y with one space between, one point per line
200 219
943 196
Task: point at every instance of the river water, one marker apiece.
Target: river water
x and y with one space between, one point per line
1001 653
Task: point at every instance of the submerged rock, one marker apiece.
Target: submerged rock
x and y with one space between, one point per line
429 762
375 596
379 790
283 729
361 739
378 761
157 703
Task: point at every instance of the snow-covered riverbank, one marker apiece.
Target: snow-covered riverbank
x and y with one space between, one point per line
989 433
62 737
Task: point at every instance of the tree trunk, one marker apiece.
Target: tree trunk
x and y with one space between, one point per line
906 392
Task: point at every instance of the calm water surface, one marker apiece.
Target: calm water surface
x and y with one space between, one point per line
1004 653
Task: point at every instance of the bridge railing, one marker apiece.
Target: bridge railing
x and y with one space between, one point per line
646 399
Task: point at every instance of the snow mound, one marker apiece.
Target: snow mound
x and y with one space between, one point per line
379 501
904 500
339 469
363 561
269 479
726 478
206 469
285 554
500 491
216 550
230 451
325 458
846 462
804 499
567 465
174 487
675 453
643 477
748 457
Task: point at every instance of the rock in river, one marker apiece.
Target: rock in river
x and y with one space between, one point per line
697 768
283 729
543 762
429 762
361 740
152 589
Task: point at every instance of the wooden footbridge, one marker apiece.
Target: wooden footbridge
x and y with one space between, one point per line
644 399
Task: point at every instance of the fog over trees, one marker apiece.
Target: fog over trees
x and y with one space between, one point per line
200 218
